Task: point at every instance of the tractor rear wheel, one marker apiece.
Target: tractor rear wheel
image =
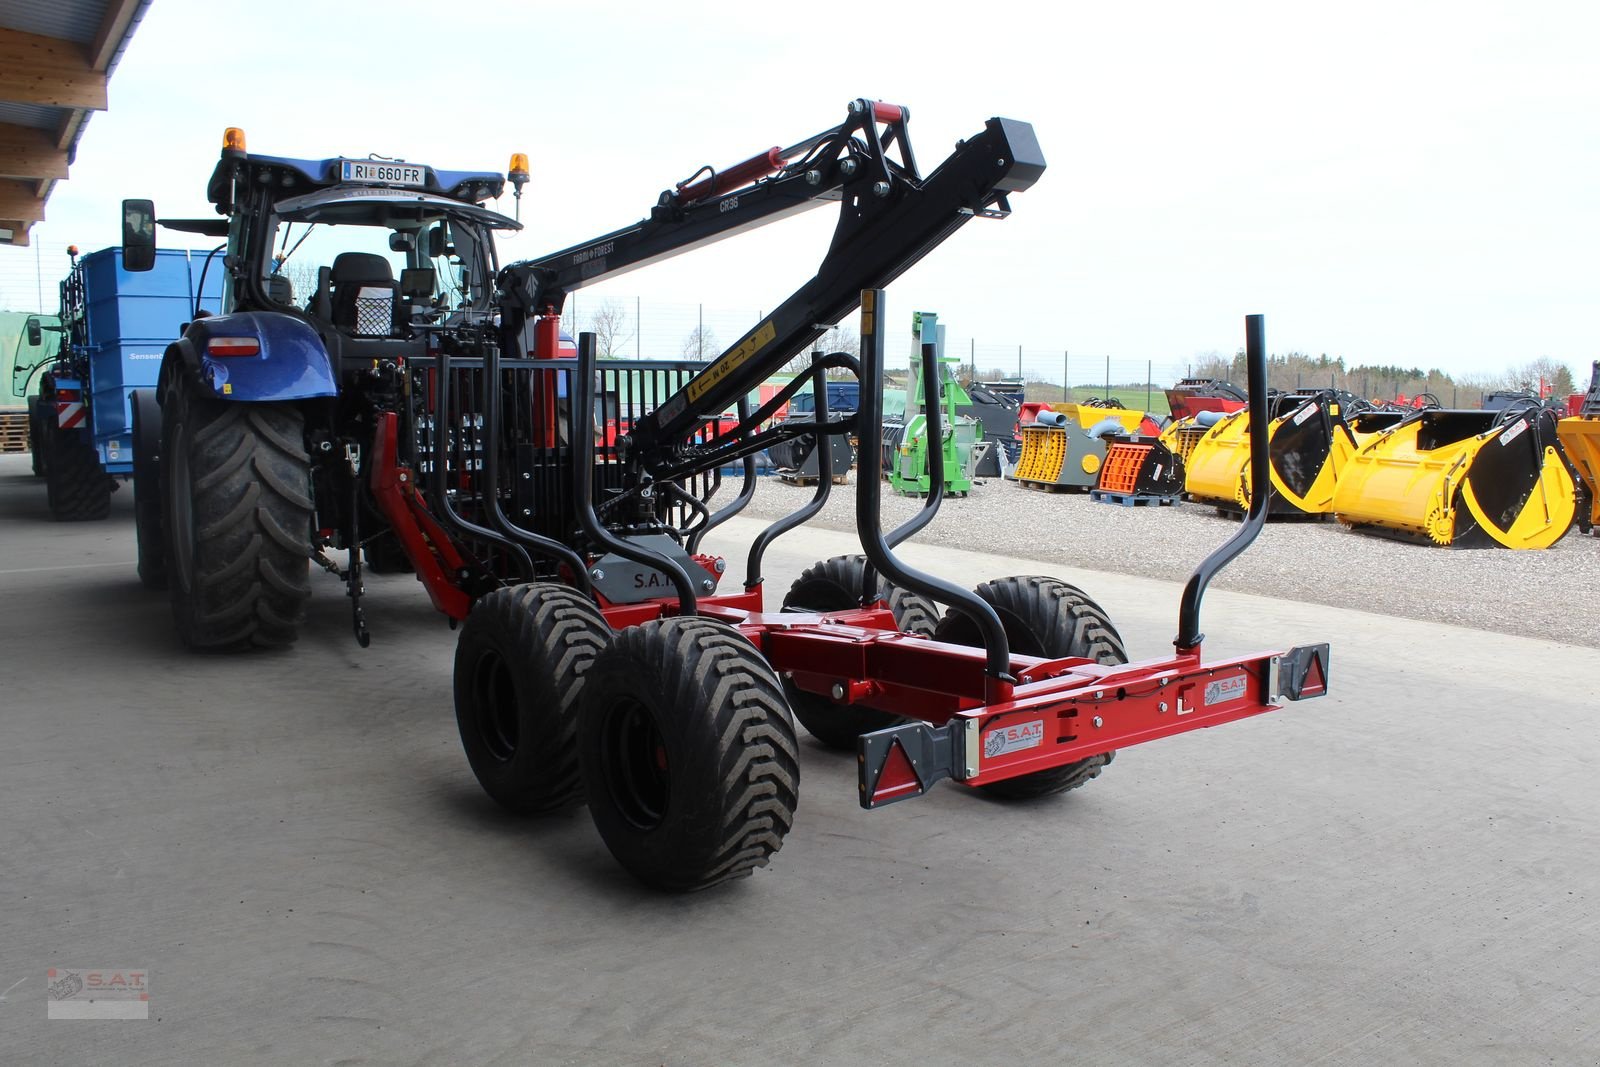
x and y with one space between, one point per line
149 541
237 518
36 431
76 486
519 675
1051 619
833 585
688 754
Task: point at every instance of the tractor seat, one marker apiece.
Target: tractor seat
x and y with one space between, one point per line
365 294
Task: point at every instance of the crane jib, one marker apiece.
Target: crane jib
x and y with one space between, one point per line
884 229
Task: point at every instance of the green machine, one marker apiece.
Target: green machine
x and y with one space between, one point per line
907 462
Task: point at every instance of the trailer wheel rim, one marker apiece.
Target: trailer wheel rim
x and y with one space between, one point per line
494 696
633 759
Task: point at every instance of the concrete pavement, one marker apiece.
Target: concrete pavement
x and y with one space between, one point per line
293 846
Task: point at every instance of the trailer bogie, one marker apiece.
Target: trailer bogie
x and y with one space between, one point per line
831 586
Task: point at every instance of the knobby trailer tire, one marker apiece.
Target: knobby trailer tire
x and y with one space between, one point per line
688 754
520 667
77 487
1049 618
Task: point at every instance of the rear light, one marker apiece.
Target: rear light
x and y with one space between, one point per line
68 396
225 347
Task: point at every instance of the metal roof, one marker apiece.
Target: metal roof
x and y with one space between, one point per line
55 59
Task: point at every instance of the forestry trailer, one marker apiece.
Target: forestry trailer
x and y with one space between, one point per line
418 408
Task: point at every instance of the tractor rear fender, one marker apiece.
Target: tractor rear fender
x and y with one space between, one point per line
252 356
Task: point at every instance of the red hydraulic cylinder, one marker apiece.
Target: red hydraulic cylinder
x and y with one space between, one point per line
546 345
734 177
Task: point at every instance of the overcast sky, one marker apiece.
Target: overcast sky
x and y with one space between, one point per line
1410 183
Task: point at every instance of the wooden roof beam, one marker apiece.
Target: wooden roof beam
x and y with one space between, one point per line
113 29
29 153
47 70
19 232
17 201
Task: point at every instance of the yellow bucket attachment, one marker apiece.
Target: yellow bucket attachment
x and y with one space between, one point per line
1462 478
1369 424
1308 443
1217 464
1581 439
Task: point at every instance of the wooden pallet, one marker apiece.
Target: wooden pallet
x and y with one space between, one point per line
1050 487
1133 500
14 432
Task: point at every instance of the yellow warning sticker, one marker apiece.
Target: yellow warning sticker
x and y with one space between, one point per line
731 362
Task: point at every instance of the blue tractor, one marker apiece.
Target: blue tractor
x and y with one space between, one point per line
112 330
254 443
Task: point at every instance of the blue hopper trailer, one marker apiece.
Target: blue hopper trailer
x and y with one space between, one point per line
113 329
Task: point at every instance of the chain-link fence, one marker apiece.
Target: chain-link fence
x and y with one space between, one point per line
631 326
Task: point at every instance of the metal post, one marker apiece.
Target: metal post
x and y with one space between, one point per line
1020 378
1189 636
638 328
700 334
869 522
1108 379
1148 374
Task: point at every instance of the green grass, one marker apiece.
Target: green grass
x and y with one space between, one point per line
1131 395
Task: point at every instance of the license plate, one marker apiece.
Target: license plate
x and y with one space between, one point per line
381 173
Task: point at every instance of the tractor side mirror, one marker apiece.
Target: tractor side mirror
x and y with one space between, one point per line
35 333
440 243
138 235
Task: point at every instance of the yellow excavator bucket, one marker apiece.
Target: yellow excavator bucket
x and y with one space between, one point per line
1308 443
1369 424
1581 439
1216 468
1462 478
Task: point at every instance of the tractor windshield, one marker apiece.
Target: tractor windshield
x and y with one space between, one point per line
418 255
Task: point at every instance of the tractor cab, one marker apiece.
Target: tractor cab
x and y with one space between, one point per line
370 252
378 263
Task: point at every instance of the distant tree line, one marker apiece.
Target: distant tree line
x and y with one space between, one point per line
1299 370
